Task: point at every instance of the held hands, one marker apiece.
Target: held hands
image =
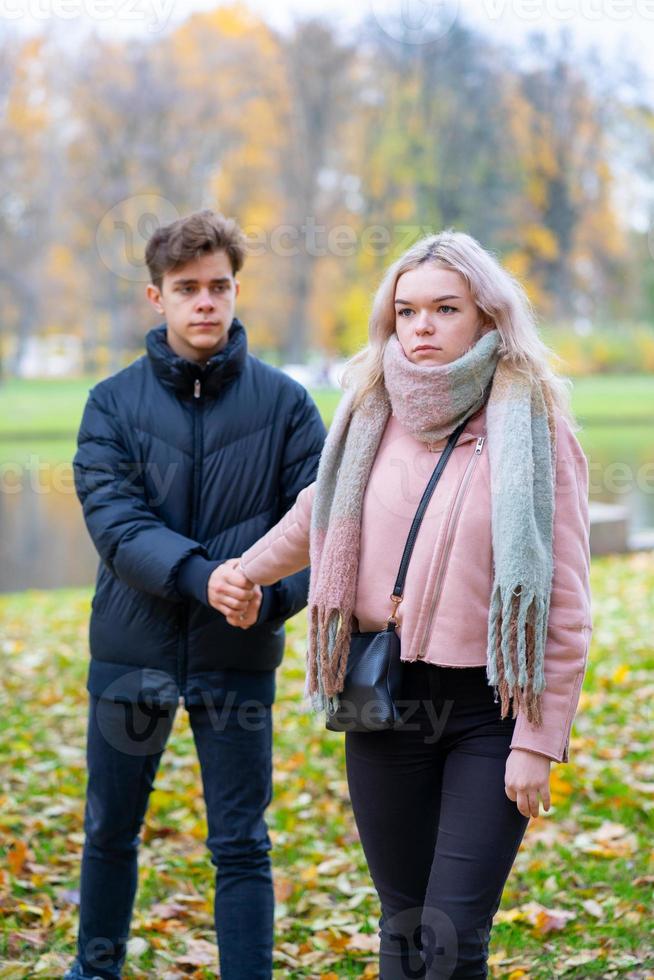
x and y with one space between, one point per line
527 777
234 595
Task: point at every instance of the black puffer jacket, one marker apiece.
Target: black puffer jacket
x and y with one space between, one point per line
178 468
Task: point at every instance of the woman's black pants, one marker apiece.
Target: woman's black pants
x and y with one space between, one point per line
437 829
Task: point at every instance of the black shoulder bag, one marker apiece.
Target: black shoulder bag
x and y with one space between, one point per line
373 675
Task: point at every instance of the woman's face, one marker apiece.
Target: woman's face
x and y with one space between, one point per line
436 319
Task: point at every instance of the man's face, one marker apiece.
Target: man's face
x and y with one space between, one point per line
198 300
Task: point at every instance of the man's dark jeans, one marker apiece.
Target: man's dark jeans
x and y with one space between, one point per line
125 744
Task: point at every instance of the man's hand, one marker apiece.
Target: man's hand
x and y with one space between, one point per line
526 778
234 595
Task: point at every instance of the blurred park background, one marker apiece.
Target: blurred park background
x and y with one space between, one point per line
337 135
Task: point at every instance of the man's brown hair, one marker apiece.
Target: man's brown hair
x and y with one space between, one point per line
200 233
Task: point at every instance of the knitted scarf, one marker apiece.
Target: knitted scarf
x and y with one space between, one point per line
430 401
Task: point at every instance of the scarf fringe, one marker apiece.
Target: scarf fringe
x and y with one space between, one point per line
330 630
516 640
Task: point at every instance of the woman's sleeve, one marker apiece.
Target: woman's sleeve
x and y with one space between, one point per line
284 550
570 620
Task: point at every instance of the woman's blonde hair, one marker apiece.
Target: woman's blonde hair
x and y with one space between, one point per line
499 297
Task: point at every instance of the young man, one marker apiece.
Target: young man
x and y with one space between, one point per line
184 459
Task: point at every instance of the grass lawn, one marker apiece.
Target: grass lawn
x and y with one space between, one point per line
33 408
40 418
578 902
619 397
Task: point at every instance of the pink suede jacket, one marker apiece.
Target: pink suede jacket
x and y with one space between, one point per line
444 615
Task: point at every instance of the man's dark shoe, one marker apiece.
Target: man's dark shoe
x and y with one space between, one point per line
75 973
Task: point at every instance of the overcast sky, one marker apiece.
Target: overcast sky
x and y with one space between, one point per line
610 22
621 28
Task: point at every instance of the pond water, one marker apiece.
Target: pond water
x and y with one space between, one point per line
44 542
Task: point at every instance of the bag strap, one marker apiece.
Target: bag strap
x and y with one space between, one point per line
398 589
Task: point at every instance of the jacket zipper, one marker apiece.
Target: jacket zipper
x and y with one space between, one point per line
449 539
195 497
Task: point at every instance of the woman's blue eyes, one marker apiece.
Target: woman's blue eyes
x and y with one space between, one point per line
449 309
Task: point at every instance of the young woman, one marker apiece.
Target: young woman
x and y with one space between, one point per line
495 621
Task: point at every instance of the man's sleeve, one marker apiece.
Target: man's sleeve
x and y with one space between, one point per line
135 544
305 437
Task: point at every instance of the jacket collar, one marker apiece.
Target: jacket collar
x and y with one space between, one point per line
475 427
180 375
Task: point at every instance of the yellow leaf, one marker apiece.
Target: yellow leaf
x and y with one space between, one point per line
336 941
309 876
17 856
560 788
508 915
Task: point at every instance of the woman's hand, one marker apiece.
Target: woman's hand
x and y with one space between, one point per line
526 778
232 593
248 618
